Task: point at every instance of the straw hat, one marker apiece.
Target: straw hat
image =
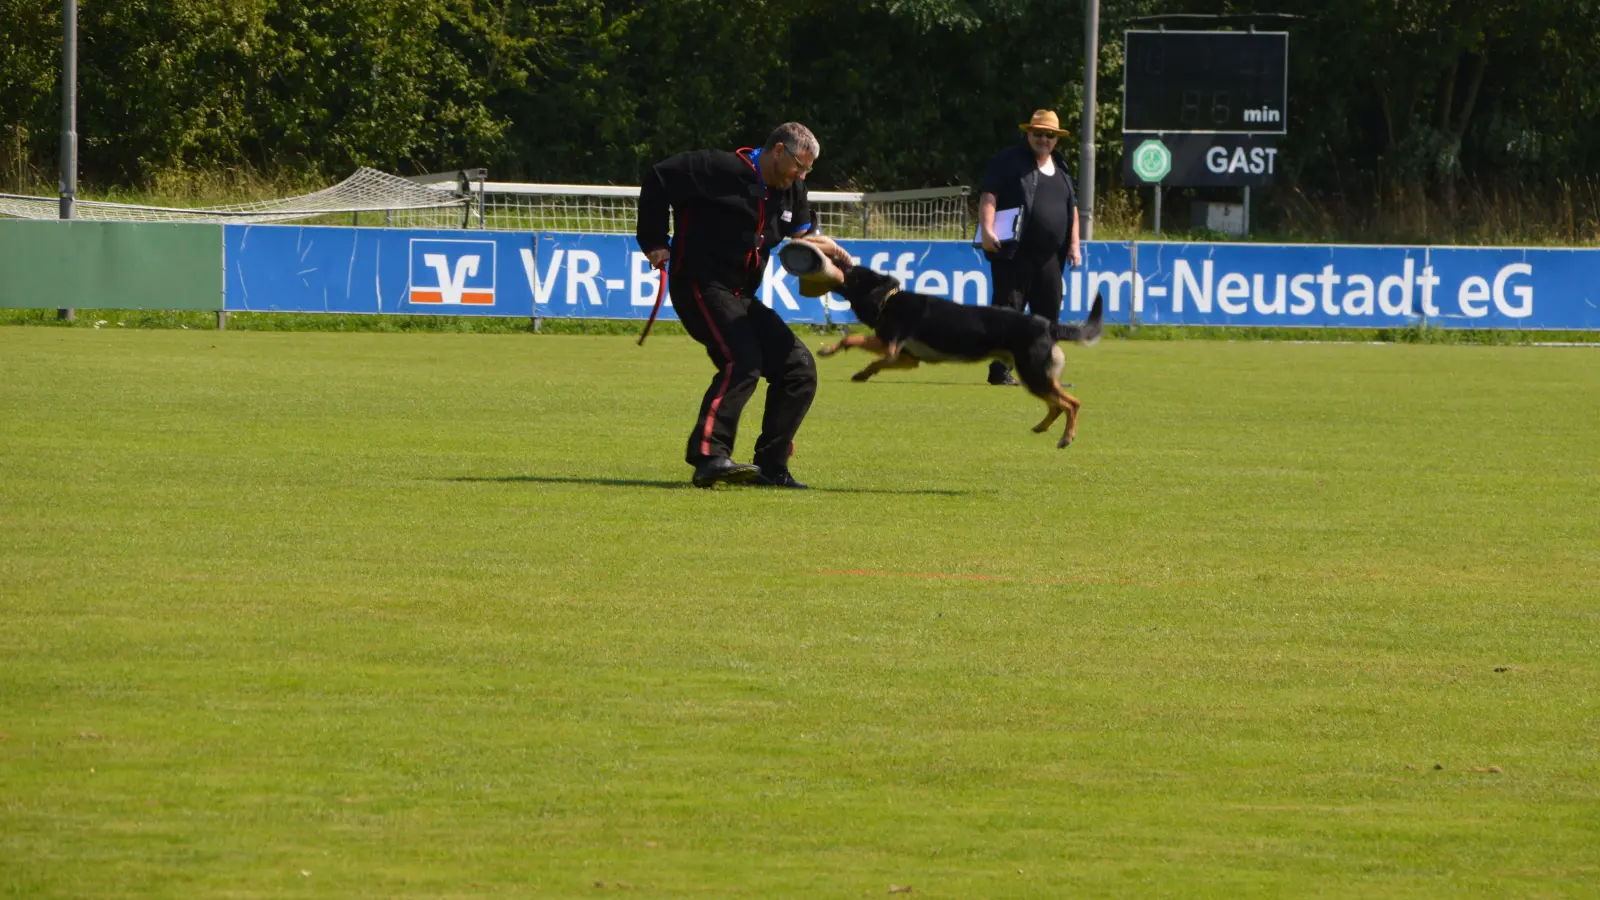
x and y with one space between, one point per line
1044 120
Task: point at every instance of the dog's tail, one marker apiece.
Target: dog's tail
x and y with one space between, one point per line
1087 332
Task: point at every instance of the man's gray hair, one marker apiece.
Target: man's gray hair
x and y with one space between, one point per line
795 137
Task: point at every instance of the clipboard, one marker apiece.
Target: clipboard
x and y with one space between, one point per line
1005 226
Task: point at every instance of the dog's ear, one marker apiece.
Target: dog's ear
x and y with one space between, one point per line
865 289
860 280
866 280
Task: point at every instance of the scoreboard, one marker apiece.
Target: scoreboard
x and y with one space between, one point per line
1206 82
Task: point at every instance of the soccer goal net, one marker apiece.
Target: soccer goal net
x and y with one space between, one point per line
931 214
360 199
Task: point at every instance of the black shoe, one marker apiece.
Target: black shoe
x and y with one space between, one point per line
724 471
775 477
1000 373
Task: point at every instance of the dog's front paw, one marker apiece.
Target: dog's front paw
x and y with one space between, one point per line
1066 441
863 375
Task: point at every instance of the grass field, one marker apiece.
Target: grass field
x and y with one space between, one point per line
407 615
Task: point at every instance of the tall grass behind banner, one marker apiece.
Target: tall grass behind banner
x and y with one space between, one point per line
17 172
186 187
1501 212
1507 212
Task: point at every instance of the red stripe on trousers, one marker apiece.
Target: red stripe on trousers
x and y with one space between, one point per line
727 371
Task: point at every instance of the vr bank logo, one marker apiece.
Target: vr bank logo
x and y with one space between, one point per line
452 273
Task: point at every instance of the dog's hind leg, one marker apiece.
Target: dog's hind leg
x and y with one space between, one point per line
1051 394
1050 417
1069 404
1061 401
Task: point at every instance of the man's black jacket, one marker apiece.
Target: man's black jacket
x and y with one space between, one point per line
1011 176
725 221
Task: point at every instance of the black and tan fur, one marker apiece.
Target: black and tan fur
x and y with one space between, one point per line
910 329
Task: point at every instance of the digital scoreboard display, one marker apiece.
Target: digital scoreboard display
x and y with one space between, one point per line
1228 82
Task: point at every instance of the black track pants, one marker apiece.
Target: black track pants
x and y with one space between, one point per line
746 342
1027 282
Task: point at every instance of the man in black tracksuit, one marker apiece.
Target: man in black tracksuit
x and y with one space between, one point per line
1026 268
728 211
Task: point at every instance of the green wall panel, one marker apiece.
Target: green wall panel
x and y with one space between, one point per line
48 264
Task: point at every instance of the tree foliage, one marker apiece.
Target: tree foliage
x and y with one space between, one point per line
902 93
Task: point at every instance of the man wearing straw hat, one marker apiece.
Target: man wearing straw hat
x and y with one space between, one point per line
1028 224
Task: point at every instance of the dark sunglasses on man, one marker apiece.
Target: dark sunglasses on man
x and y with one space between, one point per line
801 168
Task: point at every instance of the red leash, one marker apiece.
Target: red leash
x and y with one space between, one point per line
661 292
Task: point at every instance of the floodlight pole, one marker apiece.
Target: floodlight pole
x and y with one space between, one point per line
69 110
69 120
1091 67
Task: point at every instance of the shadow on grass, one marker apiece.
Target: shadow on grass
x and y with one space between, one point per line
913 381
685 485
919 382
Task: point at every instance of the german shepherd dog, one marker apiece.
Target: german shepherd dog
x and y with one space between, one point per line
910 329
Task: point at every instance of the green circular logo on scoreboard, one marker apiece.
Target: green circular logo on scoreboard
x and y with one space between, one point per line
1152 160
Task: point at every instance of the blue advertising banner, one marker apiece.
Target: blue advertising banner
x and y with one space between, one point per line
337 269
285 268
1357 287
